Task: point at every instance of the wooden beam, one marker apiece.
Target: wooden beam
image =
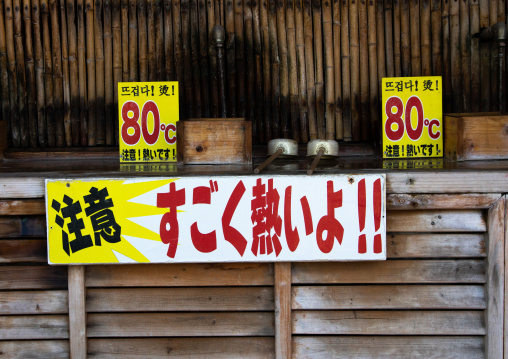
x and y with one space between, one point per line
22 207
282 310
77 314
495 280
33 277
34 302
36 349
404 202
436 221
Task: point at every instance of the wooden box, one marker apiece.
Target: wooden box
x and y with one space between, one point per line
476 136
214 141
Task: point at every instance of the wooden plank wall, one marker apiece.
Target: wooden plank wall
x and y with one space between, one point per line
300 69
439 294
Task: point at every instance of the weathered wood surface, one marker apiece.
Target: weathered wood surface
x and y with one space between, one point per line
436 245
436 221
180 299
32 277
406 202
368 322
77 313
495 280
16 227
34 327
35 349
389 297
476 137
22 207
282 310
390 272
180 324
34 302
392 347
483 179
21 250
177 275
213 348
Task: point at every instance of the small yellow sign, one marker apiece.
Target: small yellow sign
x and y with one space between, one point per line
148 112
412 113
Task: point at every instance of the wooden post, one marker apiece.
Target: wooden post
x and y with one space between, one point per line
90 71
274 64
355 69
283 61
484 59
30 75
474 11
465 54
267 83
83 114
319 72
39 75
230 59
57 74
77 314
282 310
346 78
196 71
66 106
309 67
73 71
258 64
48 77
495 280
455 56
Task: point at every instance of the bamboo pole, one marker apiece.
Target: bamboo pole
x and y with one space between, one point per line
169 65
116 25
319 70
365 126
83 102
494 61
293 71
73 72
203 59
258 64
159 40
355 70
437 35
90 71
100 130
133 41
194 33
20 73
48 74
465 54
240 57
4 76
474 11
30 75
373 83
414 25
66 106
389 38
501 11
39 74
109 94
124 13
274 61
142 41
212 61
150 20
267 83
455 56
187 58
381 59
178 54
447 77
229 19
302 78
327 18
405 47
12 75
58 84
397 60
250 67
346 74
425 37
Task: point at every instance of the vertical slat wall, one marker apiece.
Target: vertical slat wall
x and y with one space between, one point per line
430 296
296 68
33 296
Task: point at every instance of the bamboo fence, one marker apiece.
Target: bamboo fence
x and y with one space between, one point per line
302 69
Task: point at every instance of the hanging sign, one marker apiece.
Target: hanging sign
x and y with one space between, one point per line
216 219
412 113
148 112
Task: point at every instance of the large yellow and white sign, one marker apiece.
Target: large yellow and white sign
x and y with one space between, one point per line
148 112
412 113
216 219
